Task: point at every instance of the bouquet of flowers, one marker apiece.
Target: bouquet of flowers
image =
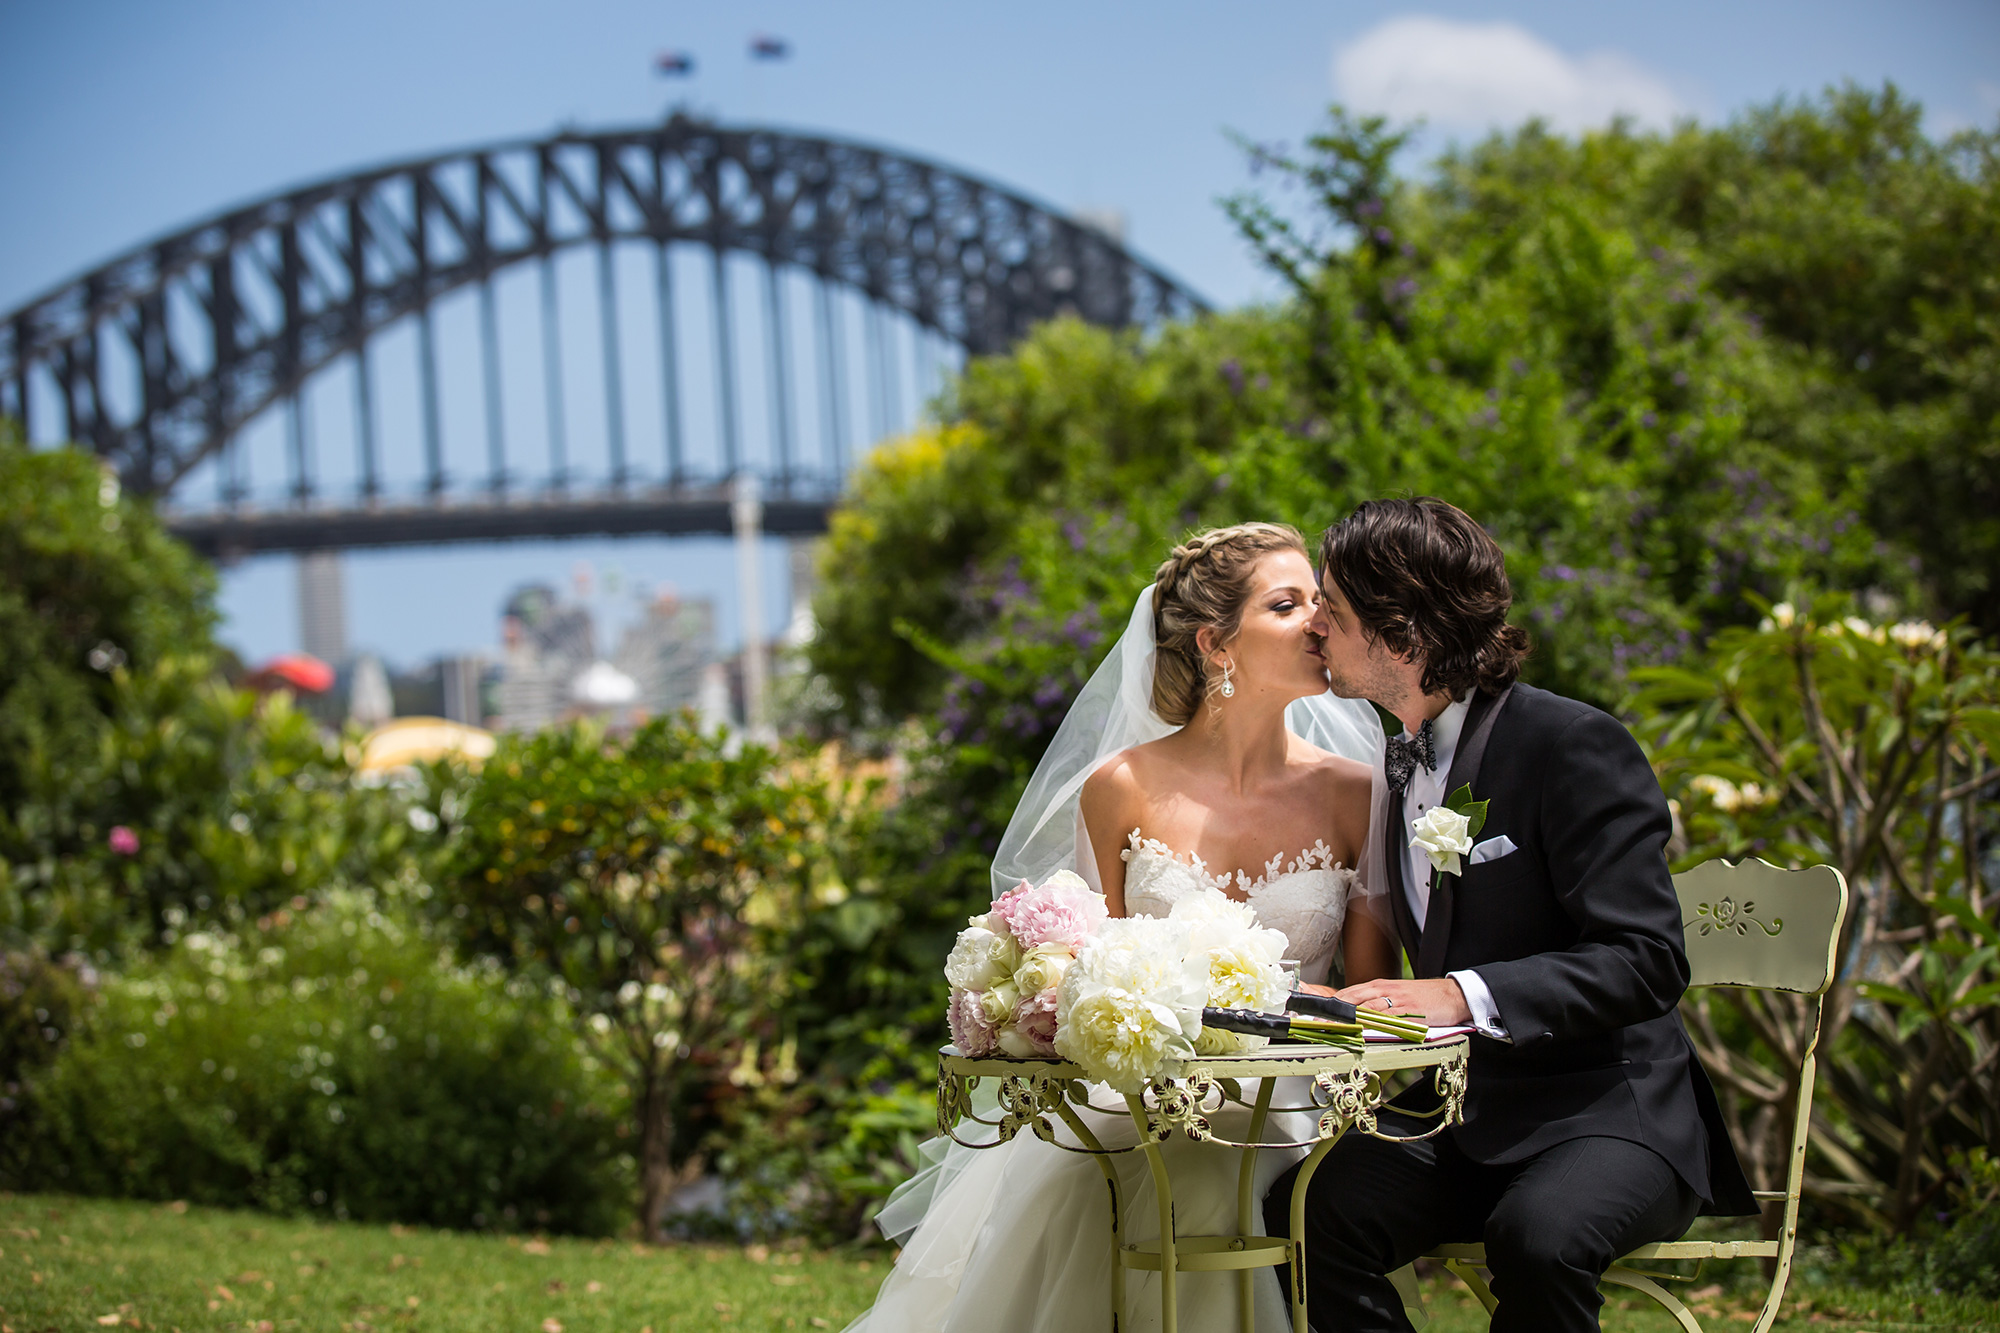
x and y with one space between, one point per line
1008 963
1047 972
1133 1000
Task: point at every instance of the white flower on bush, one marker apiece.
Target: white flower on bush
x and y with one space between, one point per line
1444 835
982 957
1131 1001
1783 616
1916 635
1726 796
1042 968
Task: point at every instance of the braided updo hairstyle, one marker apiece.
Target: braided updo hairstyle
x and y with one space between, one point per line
1205 584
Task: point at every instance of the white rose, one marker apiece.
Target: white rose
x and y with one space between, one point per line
1221 1041
1444 837
981 958
1041 968
996 1006
1015 1042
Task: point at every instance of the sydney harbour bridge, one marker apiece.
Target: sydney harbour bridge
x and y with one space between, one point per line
680 328
402 355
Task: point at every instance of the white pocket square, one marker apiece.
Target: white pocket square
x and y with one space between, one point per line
1492 850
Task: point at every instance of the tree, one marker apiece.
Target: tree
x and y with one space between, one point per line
1530 332
89 581
655 877
1822 737
192 803
1865 247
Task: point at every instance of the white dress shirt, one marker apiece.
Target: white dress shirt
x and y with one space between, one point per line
1426 789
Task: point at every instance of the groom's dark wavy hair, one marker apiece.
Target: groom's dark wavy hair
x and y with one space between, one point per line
1427 581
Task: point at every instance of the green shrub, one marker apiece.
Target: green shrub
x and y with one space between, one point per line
90 580
659 876
332 1061
819 1157
1966 1258
228 806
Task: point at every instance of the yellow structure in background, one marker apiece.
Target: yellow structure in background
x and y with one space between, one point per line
405 742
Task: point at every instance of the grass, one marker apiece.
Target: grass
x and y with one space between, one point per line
91 1264
76 1264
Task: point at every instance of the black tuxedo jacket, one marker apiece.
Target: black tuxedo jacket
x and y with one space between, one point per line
1578 935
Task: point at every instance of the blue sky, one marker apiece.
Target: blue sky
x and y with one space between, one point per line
125 119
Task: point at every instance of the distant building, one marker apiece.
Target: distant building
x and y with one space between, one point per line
322 607
463 696
369 700
545 646
667 654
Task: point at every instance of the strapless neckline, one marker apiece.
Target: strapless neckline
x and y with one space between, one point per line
1305 899
1319 856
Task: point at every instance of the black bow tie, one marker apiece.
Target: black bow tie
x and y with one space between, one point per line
1404 753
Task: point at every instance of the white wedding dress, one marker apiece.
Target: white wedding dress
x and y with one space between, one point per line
1017 1239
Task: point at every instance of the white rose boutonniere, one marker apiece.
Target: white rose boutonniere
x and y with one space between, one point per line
1445 832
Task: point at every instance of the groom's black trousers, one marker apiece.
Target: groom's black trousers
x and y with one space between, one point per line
1552 1224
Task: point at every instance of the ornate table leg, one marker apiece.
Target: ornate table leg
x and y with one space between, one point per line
1164 1188
1246 1189
1306 1169
1103 1160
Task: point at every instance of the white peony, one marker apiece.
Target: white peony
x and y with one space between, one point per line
982 957
1131 1001
1444 835
1245 960
1042 967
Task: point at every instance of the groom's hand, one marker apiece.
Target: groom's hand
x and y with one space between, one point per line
1439 999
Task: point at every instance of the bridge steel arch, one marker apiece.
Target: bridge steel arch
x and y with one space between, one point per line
159 357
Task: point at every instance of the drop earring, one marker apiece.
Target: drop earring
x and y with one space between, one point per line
1228 685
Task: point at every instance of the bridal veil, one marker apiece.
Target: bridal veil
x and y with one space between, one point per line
1115 712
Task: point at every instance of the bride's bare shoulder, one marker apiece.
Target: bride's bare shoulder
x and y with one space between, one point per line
1121 775
1120 783
1336 777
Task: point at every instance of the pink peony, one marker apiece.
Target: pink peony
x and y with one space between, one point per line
1057 912
123 841
970 1031
1035 1019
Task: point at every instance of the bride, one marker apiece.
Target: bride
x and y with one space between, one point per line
1204 752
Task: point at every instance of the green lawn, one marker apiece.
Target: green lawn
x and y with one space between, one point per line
81 1264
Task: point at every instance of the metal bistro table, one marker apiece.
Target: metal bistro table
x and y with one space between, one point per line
1348 1088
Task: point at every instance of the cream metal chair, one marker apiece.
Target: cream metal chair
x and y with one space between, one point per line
1752 925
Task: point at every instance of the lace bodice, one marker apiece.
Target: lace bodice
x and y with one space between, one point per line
1305 899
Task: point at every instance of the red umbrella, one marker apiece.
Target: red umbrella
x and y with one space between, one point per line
295 671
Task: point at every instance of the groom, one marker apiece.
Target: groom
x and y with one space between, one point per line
1590 1129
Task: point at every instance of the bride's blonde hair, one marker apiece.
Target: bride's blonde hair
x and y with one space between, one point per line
1205 584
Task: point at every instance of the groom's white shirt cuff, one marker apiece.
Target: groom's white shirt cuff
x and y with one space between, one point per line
1485 1013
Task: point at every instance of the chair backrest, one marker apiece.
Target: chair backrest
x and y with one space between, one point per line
1754 924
